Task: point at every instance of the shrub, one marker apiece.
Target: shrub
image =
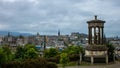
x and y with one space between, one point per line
51 65
74 57
54 59
30 63
34 63
12 64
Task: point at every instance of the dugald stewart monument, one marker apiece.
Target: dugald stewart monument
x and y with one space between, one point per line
96 48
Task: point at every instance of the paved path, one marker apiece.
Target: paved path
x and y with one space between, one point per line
116 65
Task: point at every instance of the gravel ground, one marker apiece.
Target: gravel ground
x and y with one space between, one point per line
115 65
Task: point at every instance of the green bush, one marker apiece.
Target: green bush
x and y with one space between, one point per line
74 57
53 59
51 65
52 52
12 64
30 63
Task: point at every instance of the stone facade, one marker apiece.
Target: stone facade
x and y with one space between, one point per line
95 53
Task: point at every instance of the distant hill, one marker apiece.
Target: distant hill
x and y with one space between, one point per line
14 33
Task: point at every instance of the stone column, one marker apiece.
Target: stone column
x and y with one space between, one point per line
94 35
102 35
106 58
99 32
89 35
92 58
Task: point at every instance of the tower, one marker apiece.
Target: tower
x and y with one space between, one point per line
45 41
38 34
96 31
8 34
58 32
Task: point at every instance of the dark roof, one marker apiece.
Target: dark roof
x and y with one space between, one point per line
96 21
96 48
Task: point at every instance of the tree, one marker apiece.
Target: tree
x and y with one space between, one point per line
2 57
73 49
52 52
20 52
7 52
110 51
74 52
28 46
25 52
64 59
110 48
31 53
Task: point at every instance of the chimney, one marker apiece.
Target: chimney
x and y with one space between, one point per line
95 17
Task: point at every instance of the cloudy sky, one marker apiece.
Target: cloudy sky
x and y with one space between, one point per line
49 16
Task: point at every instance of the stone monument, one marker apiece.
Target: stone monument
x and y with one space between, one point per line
96 47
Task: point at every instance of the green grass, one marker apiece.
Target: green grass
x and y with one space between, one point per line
72 64
85 64
75 64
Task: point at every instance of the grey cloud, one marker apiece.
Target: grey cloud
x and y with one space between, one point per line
47 16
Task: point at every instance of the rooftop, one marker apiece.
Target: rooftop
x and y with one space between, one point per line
96 20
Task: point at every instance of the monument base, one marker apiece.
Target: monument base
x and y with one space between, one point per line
96 51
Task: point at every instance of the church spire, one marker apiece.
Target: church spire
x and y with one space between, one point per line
58 32
38 34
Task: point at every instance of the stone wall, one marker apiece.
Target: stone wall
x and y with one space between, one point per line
95 53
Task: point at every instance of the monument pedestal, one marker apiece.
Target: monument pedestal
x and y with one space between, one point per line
96 51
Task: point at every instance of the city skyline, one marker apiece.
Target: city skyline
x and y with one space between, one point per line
49 16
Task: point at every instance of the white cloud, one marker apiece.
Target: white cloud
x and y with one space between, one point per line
3 26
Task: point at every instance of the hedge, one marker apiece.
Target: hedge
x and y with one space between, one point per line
30 63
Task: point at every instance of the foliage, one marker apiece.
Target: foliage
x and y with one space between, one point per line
110 50
73 49
12 64
19 54
74 57
25 57
7 52
51 65
30 63
27 52
31 53
5 55
73 52
28 46
64 59
2 57
52 52
54 59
